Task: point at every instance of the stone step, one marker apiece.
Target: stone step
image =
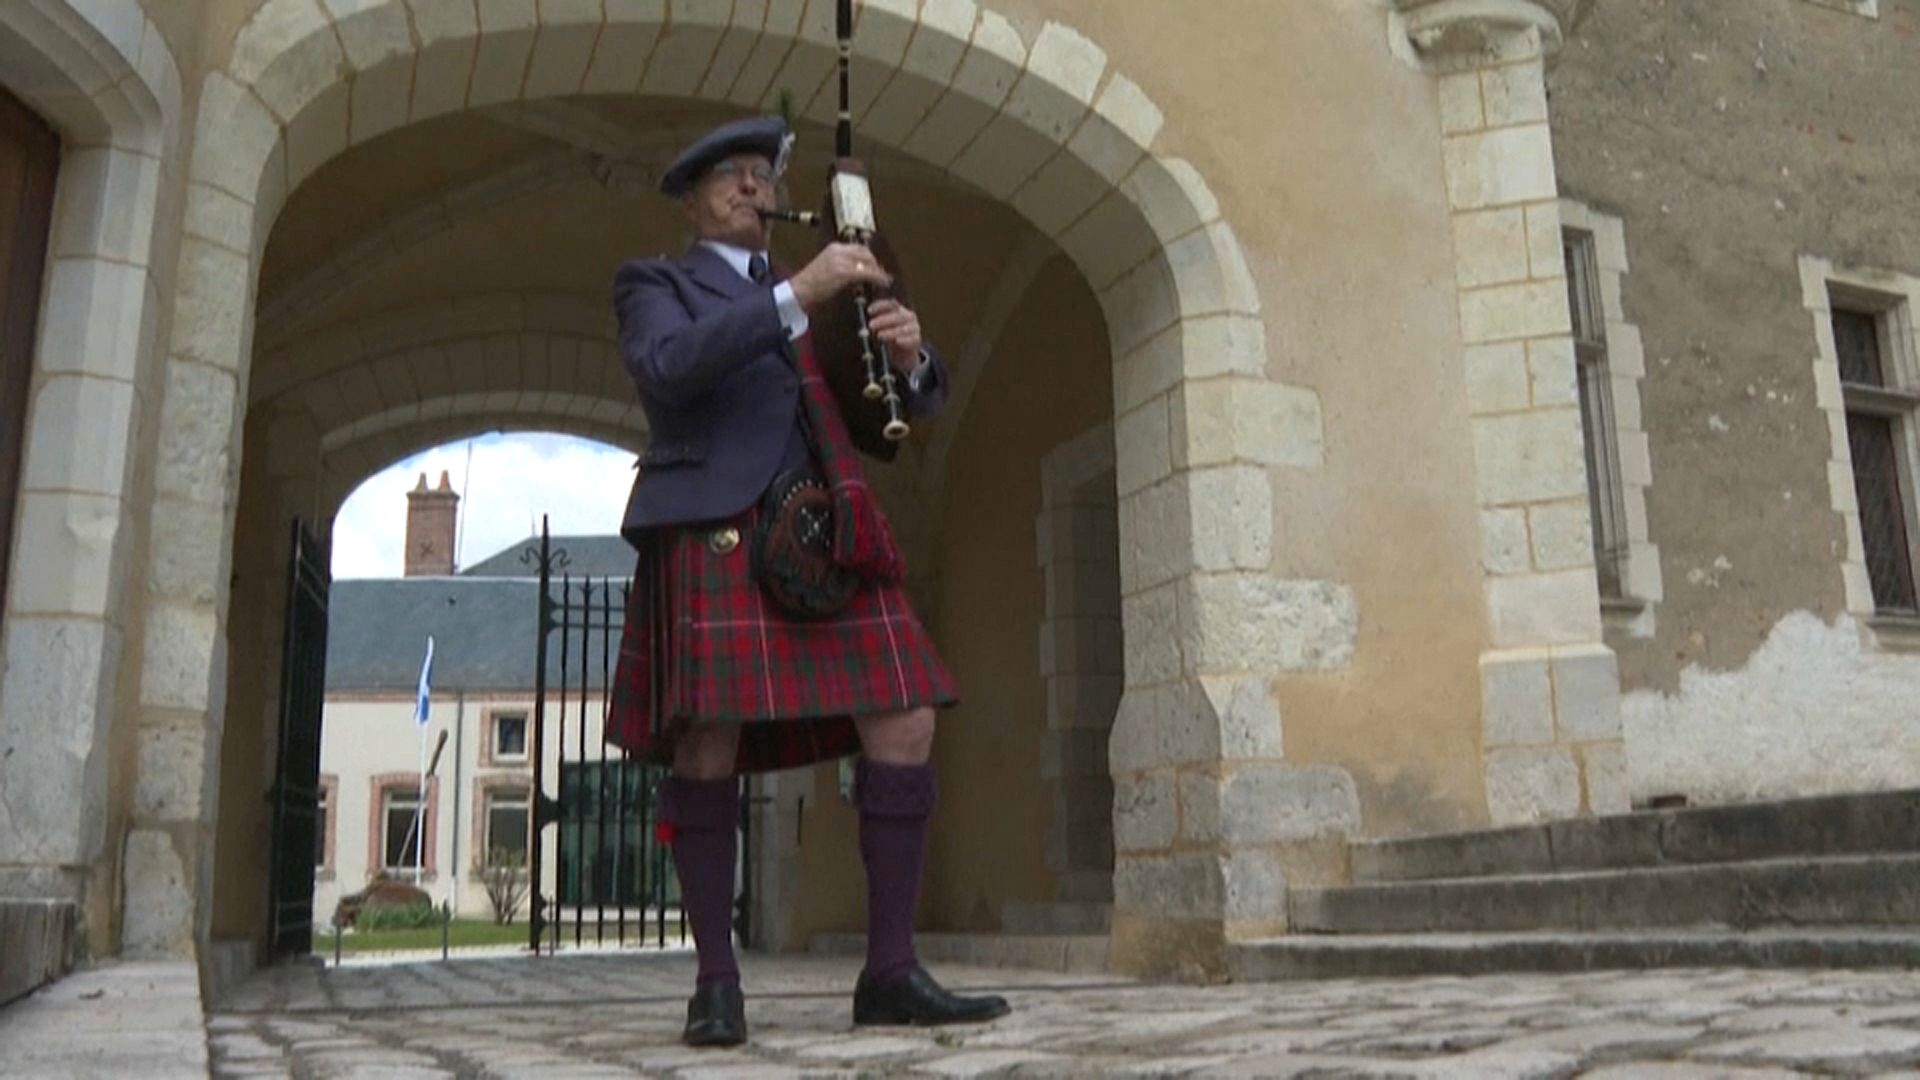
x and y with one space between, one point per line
1874 890
229 962
139 1019
39 942
1316 956
1056 917
1076 954
1824 825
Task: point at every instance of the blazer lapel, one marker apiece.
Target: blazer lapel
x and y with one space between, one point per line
707 267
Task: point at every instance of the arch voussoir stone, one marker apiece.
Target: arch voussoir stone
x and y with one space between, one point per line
686 49
562 50
294 57
446 36
994 59
234 138
450 325
883 30
1043 110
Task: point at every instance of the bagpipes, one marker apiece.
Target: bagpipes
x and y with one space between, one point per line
856 365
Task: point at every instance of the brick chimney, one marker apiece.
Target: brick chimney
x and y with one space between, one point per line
431 515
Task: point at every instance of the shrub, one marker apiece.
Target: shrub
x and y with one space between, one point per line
505 878
398 917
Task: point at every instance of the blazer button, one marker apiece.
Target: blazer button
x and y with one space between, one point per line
724 540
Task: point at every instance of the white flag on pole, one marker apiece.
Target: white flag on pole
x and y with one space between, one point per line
426 677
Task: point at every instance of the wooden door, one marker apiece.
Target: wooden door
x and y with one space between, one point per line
29 156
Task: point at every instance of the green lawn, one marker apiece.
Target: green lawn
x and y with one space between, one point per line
463 932
468 933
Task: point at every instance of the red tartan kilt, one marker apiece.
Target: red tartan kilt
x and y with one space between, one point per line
730 656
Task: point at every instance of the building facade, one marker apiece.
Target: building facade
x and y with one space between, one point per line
472 825
476 813
1370 416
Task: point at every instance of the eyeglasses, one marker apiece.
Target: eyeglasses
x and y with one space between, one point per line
731 170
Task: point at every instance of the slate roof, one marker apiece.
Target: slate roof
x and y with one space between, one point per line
588 556
483 624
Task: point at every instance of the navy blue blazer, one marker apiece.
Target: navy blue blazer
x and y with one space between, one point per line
720 385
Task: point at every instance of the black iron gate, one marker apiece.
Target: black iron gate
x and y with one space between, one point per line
612 882
295 794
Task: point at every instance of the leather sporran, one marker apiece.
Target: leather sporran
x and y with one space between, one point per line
793 548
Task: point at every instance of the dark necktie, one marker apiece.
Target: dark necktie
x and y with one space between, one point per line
757 269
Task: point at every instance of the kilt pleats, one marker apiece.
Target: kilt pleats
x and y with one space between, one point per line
703 645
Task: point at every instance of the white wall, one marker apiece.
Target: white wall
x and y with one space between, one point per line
364 739
1816 710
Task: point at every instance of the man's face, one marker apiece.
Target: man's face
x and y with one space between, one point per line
724 205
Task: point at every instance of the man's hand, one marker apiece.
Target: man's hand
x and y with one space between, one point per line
899 329
835 269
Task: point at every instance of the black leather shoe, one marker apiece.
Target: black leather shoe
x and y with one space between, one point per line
914 998
716 1016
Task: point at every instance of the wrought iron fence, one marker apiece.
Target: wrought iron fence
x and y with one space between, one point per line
593 805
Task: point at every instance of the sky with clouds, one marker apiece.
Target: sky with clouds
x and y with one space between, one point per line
580 486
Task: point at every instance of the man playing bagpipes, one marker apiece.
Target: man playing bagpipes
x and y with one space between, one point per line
768 627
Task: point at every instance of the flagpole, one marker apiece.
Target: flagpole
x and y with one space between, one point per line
420 816
421 706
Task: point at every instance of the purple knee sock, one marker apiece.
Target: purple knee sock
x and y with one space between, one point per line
895 802
703 815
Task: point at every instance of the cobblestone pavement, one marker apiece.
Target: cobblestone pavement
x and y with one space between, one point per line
607 1016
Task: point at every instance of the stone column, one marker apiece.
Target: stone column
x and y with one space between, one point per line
104 78
1550 687
167 872
1207 811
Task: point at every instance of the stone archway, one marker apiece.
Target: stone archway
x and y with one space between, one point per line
1042 125
307 453
359 395
106 81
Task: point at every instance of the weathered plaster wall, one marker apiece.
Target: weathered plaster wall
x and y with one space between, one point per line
1732 139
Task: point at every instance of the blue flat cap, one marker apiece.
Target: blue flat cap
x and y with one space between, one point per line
768 135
